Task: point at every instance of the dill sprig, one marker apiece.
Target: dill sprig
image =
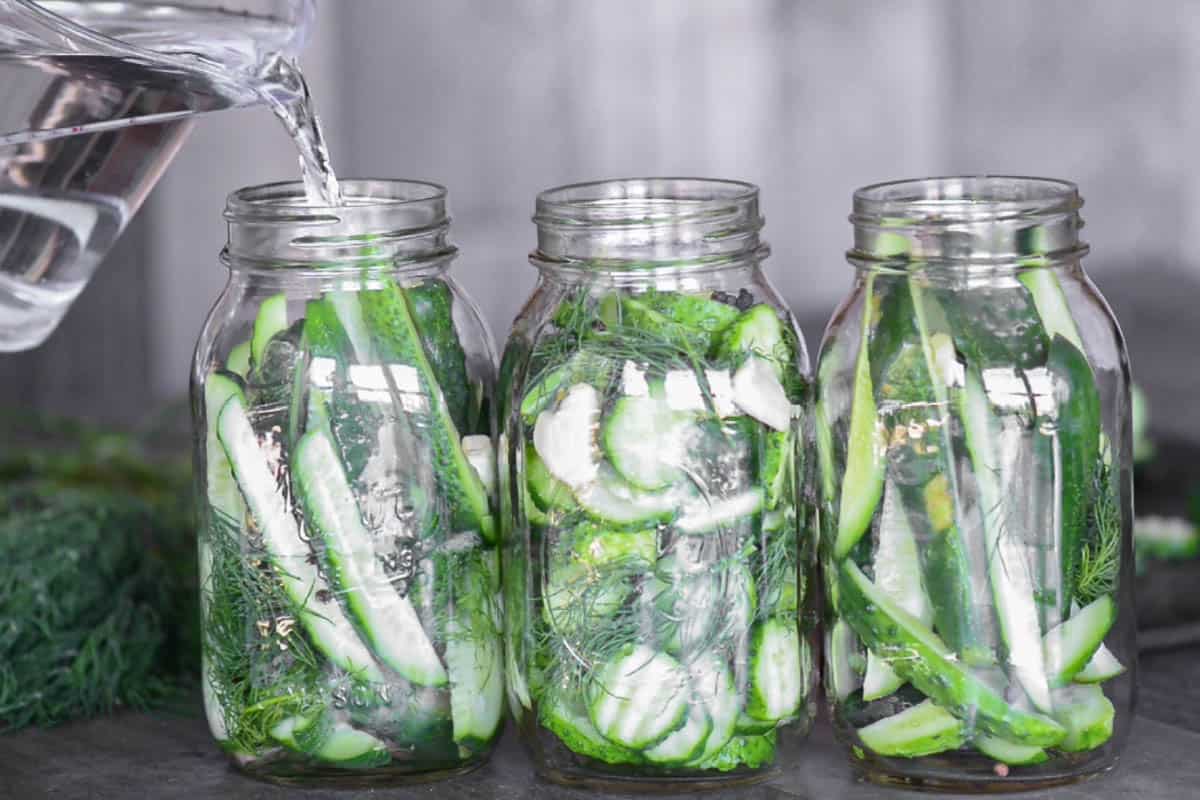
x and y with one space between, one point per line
261 666
1100 553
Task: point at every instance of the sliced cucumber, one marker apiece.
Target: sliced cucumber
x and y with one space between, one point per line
758 331
842 651
565 438
1006 752
239 360
685 743
573 727
482 456
1086 714
349 748
639 697
272 318
1070 645
747 724
776 679
476 672
1103 666
331 631
925 661
712 684
610 500
397 342
223 495
777 472
682 392
758 392
922 730
1009 570
387 620
862 483
897 574
704 517
645 441
547 491
1051 304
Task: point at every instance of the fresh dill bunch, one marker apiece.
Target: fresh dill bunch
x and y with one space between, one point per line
1100 553
87 594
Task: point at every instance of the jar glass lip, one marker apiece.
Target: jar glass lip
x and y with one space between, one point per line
382 222
964 198
285 201
643 202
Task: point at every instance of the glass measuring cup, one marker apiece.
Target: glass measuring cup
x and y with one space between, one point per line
98 98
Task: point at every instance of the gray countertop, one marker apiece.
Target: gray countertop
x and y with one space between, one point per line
159 756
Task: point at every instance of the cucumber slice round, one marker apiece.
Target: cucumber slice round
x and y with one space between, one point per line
565 437
645 441
639 697
712 685
776 679
687 742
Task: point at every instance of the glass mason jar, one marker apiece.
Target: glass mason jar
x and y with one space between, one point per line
343 435
974 480
657 588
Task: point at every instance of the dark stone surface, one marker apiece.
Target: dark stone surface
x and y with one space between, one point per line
172 758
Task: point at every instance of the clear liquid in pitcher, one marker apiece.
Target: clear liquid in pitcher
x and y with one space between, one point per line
94 111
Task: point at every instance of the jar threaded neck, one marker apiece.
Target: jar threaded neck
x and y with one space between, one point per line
648 223
389 223
967 220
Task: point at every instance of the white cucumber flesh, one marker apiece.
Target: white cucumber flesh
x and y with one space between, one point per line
898 575
776 680
387 620
1103 666
639 697
704 517
922 730
712 684
565 438
1009 570
758 392
331 631
1071 644
482 457
475 665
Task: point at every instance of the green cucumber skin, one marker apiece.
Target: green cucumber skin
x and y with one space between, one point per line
395 336
946 733
1078 431
925 662
432 307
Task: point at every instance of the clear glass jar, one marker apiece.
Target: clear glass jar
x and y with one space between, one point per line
657 588
974 479
343 435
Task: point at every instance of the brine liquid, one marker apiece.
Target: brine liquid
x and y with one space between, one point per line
87 128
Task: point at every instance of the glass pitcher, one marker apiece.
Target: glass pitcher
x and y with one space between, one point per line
98 98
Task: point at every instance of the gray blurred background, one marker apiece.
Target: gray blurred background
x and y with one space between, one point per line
498 100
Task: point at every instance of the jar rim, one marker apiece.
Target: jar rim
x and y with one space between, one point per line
648 223
286 201
642 202
385 223
954 199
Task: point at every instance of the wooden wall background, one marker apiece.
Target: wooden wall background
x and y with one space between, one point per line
807 99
